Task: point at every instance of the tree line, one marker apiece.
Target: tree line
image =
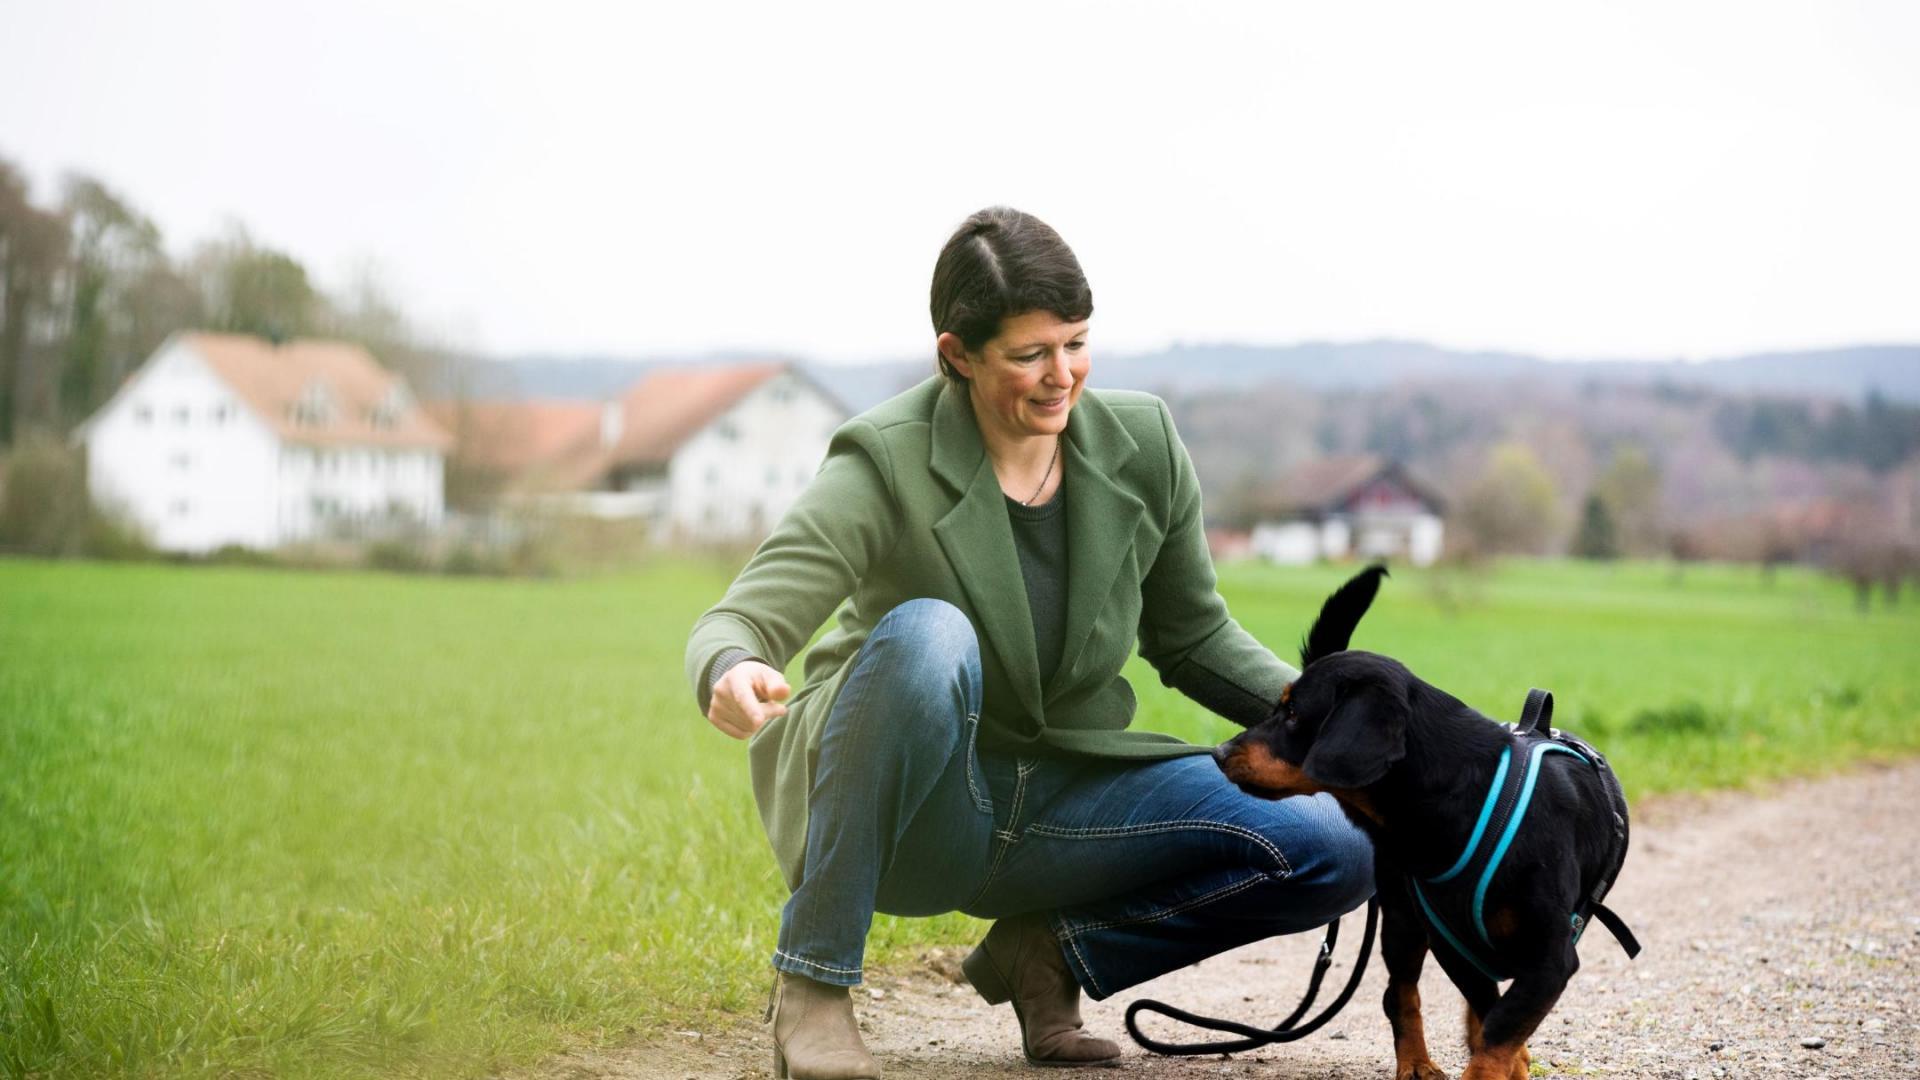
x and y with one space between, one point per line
88 290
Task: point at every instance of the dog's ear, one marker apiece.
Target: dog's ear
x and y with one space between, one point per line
1361 739
1341 614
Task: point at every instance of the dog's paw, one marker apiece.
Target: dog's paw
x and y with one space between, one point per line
1419 1070
1514 1065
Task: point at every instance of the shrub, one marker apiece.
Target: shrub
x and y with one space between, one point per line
44 508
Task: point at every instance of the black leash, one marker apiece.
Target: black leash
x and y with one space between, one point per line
1284 1031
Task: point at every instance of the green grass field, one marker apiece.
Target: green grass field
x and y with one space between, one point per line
350 824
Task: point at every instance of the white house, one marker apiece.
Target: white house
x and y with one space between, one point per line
1363 506
704 454
223 439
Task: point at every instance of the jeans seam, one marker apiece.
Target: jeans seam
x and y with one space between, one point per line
789 957
1111 831
1254 878
1085 966
1008 835
973 790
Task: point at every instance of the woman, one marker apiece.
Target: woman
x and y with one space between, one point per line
961 741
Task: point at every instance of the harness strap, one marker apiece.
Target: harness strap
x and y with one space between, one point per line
1618 928
1509 798
1537 717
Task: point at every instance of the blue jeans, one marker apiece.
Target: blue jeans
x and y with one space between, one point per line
1142 867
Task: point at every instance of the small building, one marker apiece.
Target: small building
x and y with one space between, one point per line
228 439
1359 506
702 454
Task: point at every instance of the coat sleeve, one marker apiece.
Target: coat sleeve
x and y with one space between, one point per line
1186 632
844 522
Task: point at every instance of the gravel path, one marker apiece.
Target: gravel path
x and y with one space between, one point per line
1782 935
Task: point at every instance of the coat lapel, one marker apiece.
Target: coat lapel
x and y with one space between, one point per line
1101 518
978 538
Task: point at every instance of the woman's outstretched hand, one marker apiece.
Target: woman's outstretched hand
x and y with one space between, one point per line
746 697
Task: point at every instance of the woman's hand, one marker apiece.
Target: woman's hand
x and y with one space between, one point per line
746 697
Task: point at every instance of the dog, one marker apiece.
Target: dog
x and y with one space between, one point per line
1445 792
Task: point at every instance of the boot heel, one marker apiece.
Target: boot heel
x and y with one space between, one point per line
979 970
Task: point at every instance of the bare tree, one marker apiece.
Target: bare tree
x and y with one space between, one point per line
250 289
1511 507
32 248
1630 487
115 259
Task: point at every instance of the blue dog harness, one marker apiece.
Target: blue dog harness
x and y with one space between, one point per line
1453 903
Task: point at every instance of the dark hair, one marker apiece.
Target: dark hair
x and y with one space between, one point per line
999 263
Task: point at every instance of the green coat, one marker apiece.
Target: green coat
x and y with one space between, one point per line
906 505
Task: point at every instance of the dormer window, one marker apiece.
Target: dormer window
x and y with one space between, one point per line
386 413
314 407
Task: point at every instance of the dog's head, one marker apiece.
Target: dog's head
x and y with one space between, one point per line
1341 725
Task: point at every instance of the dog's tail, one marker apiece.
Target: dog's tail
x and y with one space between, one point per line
1341 614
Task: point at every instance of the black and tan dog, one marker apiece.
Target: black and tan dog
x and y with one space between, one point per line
1445 792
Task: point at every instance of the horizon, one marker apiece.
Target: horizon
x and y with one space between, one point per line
740 355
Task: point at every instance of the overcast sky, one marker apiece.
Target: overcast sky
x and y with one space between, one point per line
1623 179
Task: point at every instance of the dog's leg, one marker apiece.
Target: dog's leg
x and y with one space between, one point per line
1481 992
1503 1030
1403 945
1476 1040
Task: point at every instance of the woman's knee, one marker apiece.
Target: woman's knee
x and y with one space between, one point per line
1331 857
929 650
919 668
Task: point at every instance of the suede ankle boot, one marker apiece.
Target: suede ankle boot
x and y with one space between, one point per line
815 1036
1020 961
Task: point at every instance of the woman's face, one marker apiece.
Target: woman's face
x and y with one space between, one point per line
1026 379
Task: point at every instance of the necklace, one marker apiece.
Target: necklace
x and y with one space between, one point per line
1045 476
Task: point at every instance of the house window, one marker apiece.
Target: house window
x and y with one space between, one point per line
783 393
180 414
314 407
713 476
222 413
726 430
773 476
386 413
181 460
143 413
178 508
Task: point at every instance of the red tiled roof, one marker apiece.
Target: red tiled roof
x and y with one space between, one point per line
271 379
555 445
513 436
669 406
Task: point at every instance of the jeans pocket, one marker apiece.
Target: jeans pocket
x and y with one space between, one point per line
976 778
